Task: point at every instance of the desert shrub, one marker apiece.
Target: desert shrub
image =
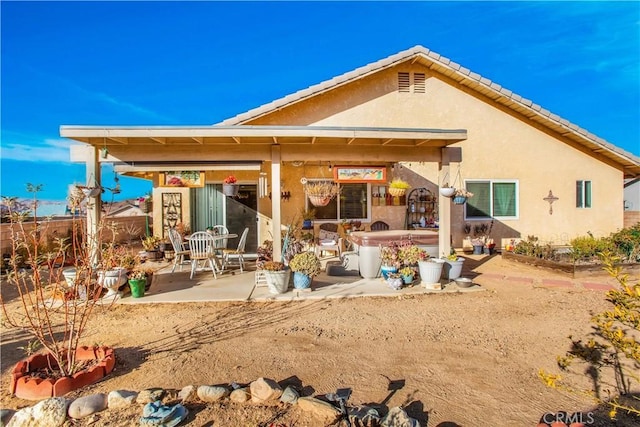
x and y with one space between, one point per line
531 247
614 345
627 243
588 248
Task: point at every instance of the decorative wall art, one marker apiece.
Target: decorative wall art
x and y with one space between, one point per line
182 179
373 174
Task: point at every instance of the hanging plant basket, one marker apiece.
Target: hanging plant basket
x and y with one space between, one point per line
397 192
459 200
320 200
320 193
230 190
447 191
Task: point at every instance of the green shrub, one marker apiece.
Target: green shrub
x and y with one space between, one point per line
627 242
588 248
531 247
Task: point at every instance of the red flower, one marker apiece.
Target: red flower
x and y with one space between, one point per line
230 180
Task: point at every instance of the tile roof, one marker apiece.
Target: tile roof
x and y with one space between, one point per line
466 77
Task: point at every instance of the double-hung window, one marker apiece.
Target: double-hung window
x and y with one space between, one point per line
583 194
492 199
352 203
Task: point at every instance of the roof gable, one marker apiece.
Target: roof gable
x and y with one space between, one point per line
493 91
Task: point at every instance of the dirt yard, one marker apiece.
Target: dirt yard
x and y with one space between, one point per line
454 359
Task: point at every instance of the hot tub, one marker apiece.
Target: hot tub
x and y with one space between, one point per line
367 244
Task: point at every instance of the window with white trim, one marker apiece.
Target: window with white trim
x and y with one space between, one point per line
492 199
352 203
583 194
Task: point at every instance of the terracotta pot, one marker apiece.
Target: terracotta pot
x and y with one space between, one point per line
26 387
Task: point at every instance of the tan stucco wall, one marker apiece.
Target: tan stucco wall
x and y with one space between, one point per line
499 146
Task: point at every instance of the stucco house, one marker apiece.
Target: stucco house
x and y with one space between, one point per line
415 115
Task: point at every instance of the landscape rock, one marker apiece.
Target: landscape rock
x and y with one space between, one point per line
158 415
188 393
87 405
150 395
5 416
264 389
118 399
240 395
47 413
319 408
289 395
397 417
364 415
212 393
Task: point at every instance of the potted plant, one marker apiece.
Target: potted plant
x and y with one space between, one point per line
308 215
478 245
390 259
407 274
320 193
144 203
114 264
453 265
277 276
305 267
461 195
137 282
430 270
230 186
150 244
398 187
410 255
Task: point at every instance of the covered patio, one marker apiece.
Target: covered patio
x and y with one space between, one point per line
143 151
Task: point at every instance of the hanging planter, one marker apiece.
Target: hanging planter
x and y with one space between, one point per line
230 190
447 191
320 193
230 186
459 200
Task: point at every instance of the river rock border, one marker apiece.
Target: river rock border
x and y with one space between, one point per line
56 411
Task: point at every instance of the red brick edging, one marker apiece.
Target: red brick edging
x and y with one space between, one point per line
26 387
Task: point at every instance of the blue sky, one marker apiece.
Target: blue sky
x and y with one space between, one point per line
198 63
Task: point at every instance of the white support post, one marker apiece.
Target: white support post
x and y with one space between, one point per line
94 204
276 203
444 210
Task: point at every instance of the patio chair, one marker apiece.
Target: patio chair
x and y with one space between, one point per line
379 226
238 254
179 248
202 249
329 239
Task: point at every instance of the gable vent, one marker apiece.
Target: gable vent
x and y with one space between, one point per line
403 82
418 83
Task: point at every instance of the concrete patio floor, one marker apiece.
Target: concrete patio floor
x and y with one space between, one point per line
232 285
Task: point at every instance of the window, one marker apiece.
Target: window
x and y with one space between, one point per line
492 199
351 203
583 194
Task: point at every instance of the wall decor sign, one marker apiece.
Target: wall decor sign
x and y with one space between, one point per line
373 174
182 179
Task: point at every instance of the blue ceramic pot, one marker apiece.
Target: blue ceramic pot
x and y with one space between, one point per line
301 280
386 269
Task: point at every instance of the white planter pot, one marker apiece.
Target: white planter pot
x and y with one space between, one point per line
453 269
278 281
430 271
112 280
447 191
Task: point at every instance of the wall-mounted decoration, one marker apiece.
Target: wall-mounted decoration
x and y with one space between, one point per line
171 211
550 198
182 179
373 174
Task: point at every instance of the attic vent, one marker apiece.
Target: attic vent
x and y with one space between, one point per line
404 82
418 83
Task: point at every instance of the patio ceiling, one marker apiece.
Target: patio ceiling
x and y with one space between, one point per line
242 142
